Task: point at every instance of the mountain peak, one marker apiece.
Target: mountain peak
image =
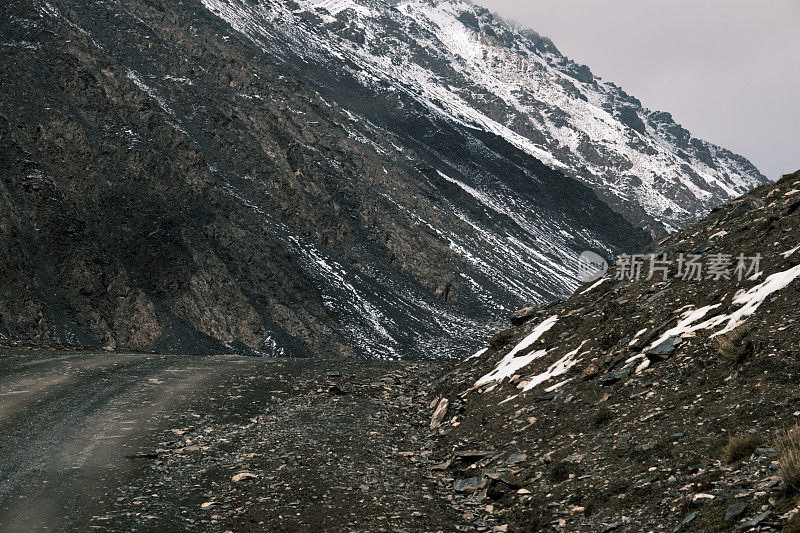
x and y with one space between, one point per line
468 63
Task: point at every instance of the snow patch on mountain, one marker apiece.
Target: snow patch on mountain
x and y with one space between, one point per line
509 364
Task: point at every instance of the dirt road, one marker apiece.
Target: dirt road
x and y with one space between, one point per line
109 441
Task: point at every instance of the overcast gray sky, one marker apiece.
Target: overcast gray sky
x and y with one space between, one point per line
728 70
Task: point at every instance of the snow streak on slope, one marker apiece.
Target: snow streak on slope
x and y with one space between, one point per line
691 321
509 365
595 128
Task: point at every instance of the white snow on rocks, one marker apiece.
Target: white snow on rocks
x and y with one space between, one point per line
691 321
637 336
152 93
790 253
752 299
558 368
749 301
334 7
477 354
509 365
687 324
578 122
595 285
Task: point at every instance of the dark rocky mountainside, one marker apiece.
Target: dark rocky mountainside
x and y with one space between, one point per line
334 178
169 185
375 179
649 405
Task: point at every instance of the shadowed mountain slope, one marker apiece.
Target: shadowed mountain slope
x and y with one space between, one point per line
170 185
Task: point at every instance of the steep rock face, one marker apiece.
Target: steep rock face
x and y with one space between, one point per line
170 184
644 402
461 62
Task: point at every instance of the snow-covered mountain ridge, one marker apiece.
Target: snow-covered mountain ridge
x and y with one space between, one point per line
468 65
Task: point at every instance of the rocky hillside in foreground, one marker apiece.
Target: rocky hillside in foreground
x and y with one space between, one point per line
650 405
170 184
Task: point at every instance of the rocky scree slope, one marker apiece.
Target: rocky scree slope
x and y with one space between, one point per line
171 183
641 405
461 62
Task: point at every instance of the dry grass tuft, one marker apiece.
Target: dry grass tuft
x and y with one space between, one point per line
792 525
788 448
742 447
735 347
602 416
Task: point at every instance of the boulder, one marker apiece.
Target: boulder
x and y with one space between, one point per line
662 351
439 413
615 376
521 316
469 485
